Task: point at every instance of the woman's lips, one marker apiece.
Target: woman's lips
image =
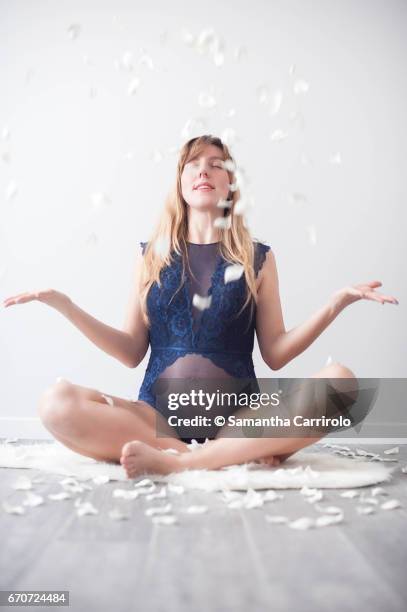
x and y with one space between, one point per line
206 188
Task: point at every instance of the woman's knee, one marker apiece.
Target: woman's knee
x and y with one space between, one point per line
59 404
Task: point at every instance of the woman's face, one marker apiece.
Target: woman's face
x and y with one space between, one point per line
206 168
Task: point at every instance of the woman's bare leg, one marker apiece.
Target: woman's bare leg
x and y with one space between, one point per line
230 451
82 420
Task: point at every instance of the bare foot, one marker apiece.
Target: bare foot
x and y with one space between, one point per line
140 458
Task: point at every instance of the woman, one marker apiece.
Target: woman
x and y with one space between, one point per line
199 325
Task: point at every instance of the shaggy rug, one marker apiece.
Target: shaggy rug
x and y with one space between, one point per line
319 469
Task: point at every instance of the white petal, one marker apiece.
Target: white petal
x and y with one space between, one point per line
392 451
263 94
206 100
146 490
11 191
125 493
291 69
33 500
145 60
86 508
201 302
10 509
302 523
335 159
22 483
59 496
229 164
223 222
378 491
165 519
74 30
278 135
162 493
133 86
312 234
171 451
233 273
271 518
391 504
329 509
219 58
271 495
188 38
404 469
307 491
326 519
5 134
144 483
101 479
276 102
350 494
300 86
158 510
117 515
224 203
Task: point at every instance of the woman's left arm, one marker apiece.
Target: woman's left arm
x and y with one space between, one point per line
278 346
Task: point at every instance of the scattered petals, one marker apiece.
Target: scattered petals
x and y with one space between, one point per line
201 302
392 451
391 504
86 508
10 509
158 510
302 523
101 479
233 273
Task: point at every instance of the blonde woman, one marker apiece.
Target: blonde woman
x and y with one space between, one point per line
197 325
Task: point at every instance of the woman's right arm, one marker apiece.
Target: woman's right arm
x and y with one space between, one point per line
128 346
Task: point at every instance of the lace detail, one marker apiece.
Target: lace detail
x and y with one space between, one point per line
224 336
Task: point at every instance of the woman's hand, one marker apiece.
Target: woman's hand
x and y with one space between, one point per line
364 291
53 298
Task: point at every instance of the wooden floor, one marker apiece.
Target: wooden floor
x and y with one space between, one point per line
222 560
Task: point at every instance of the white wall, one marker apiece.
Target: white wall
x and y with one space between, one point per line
74 130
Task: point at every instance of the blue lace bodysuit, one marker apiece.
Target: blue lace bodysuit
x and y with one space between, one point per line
189 343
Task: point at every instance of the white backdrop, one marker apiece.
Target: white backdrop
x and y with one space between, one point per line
329 195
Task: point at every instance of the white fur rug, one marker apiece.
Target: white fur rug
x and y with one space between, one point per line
319 469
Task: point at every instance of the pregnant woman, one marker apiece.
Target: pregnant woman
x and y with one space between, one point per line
201 287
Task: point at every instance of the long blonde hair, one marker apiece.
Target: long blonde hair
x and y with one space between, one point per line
236 244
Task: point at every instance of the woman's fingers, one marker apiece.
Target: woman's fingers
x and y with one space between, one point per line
21 298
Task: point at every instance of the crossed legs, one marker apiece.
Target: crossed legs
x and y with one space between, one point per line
83 420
